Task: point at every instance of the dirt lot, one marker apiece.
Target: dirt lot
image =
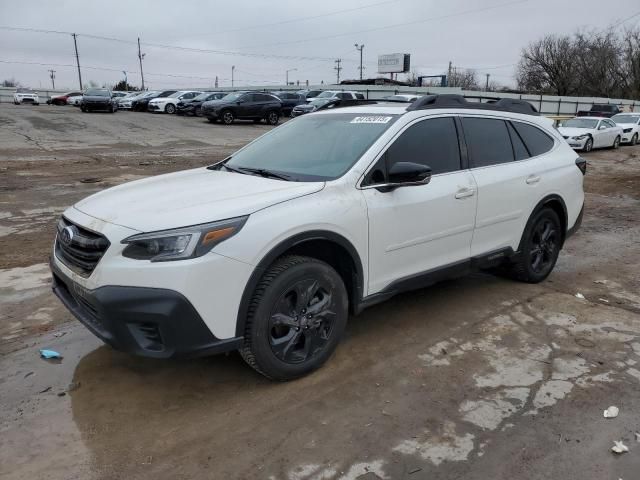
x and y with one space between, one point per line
478 378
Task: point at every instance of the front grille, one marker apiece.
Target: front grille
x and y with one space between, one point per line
78 248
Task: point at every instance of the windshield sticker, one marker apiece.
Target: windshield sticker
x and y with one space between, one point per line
371 119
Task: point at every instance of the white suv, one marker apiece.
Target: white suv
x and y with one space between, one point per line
269 250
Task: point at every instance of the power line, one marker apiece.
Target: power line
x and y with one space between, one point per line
385 27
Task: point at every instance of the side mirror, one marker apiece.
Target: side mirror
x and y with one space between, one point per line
602 127
408 173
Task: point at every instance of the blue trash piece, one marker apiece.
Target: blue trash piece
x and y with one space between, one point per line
49 354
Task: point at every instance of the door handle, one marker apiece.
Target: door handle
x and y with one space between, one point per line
465 192
531 179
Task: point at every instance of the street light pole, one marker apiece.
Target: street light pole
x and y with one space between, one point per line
233 67
126 82
286 73
360 48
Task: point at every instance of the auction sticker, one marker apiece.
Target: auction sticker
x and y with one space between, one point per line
371 119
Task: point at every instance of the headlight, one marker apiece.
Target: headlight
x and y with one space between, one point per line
627 130
181 243
580 137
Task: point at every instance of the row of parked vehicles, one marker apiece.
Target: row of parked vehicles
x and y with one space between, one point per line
588 132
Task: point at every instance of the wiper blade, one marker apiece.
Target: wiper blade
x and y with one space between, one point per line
233 169
266 173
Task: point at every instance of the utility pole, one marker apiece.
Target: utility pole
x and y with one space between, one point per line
75 44
286 81
360 48
337 68
216 81
233 67
52 75
487 87
449 75
140 57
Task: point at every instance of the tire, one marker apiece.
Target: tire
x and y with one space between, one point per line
588 146
83 109
212 120
197 112
170 109
539 248
272 117
111 109
634 140
282 340
616 143
227 117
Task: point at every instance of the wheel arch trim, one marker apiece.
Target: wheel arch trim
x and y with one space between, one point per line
564 219
287 244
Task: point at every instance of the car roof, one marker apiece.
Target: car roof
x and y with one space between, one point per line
587 117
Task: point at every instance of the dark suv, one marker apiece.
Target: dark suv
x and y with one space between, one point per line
254 106
98 99
289 101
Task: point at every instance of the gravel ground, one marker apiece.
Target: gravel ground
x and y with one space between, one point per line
474 378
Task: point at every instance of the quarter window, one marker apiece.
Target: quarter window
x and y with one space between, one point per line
488 141
433 143
536 140
519 149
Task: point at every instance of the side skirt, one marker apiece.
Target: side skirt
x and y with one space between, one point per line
430 277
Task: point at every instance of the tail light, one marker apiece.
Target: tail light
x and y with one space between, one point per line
581 163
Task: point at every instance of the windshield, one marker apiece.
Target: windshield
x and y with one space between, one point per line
326 95
92 92
318 102
315 147
176 95
625 118
202 96
24 90
580 123
602 108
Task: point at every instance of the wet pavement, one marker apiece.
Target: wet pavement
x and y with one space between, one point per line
478 378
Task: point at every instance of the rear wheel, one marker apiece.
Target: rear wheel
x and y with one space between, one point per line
616 143
539 247
227 117
296 317
272 117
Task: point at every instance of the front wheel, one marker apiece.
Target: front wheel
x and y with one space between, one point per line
588 146
170 108
539 247
616 143
296 318
227 117
634 139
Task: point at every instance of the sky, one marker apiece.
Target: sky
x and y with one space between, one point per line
188 43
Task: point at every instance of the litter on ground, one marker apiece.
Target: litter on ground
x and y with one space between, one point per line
619 447
580 296
48 354
611 412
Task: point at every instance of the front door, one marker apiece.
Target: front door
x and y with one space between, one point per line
416 229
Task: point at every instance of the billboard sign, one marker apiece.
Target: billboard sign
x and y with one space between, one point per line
394 63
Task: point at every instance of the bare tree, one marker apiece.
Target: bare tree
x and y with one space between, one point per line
630 62
463 78
598 56
549 65
10 82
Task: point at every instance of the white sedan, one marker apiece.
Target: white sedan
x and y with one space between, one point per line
26 95
630 123
74 100
168 104
587 133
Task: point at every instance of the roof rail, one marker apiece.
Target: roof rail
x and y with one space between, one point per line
458 101
345 102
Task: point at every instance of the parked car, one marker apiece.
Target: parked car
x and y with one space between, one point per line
76 100
346 95
125 102
62 99
98 99
630 123
193 106
311 106
271 249
254 106
26 95
587 133
141 103
402 98
309 94
604 110
116 94
168 104
289 101
129 103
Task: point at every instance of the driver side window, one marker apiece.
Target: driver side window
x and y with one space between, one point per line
433 143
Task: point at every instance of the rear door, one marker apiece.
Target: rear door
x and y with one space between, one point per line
505 160
416 229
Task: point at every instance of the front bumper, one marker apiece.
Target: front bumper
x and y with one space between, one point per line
96 105
150 322
153 107
577 144
627 136
297 113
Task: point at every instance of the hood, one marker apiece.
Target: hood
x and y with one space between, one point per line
573 131
95 98
626 125
188 198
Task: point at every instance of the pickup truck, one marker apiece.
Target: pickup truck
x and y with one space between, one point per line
603 110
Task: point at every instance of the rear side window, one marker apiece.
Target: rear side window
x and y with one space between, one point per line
488 141
519 149
359 96
536 140
431 142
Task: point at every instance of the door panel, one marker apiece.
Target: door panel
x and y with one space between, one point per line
415 229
